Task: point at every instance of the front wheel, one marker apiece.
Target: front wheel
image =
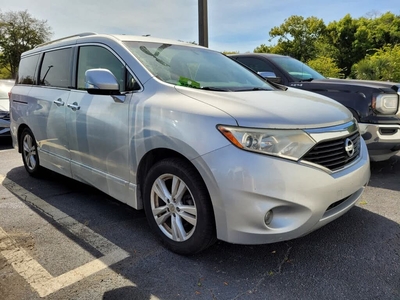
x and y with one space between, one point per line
178 207
29 152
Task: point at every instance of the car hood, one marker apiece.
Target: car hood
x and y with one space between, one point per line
382 85
288 109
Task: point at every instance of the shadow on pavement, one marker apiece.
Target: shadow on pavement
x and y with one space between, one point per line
5 143
355 257
386 174
128 293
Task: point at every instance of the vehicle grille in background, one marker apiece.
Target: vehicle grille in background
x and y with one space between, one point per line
332 154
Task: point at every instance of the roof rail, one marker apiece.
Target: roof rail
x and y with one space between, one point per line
67 37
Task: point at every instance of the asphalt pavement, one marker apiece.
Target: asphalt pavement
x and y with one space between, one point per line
61 239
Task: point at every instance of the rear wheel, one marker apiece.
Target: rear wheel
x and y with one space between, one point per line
29 152
178 207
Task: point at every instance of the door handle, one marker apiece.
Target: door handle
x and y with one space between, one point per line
74 106
59 102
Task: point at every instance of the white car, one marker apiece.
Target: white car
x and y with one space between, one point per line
5 88
209 149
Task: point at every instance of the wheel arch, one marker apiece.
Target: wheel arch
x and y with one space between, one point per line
150 159
21 128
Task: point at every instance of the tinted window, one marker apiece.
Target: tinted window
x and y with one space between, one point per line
93 57
27 69
257 65
296 68
56 68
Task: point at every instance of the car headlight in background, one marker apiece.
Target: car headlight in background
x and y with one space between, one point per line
291 144
386 104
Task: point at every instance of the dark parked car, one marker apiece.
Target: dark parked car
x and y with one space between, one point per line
5 88
375 104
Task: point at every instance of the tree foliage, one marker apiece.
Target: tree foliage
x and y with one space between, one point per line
351 39
346 42
325 66
230 52
5 73
382 65
19 32
297 37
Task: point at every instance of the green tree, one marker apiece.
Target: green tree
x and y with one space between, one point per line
5 73
297 37
19 32
263 49
230 52
343 35
384 30
382 65
325 66
355 38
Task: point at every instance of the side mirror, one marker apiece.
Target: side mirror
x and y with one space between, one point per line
271 76
101 82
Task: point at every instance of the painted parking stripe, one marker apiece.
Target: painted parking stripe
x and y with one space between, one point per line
7 150
41 280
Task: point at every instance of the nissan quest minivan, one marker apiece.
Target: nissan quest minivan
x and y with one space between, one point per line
209 149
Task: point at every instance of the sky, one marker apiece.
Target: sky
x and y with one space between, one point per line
233 25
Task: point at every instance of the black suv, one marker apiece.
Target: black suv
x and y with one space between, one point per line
375 104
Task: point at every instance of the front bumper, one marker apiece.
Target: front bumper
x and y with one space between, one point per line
244 186
383 141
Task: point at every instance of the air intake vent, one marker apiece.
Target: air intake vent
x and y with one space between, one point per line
335 154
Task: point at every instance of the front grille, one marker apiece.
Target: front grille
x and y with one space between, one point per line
332 154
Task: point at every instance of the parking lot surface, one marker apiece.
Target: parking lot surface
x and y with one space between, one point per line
60 239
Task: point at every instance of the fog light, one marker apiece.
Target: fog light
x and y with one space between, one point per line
268 217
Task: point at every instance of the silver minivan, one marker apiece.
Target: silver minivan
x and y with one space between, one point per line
209 149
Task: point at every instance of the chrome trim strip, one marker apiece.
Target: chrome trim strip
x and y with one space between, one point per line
329 133
310 164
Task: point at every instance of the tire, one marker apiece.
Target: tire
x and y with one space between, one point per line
178 207
29 153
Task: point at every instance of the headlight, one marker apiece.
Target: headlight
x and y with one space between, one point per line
386 104
291 144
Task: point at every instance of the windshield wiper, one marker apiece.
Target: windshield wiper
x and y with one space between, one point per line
307 79
253 89
210 88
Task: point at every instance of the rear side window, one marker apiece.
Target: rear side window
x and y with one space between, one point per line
56 68
27 69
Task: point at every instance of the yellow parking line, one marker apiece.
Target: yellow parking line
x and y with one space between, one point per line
41 280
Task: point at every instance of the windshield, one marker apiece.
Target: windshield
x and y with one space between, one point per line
195 67
296 69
